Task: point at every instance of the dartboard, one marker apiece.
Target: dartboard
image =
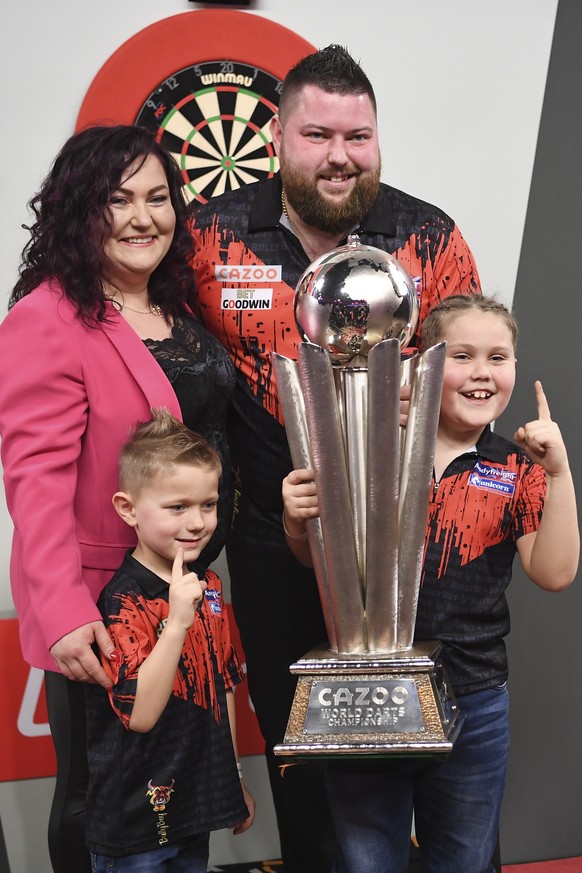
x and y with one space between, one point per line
214 118
208 82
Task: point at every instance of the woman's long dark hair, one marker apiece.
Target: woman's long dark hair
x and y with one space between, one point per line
72 222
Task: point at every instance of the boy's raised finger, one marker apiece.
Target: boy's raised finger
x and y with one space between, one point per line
178 565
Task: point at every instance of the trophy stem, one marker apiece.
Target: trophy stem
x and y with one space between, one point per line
291 399
415 481
352 387
407 370
382 485
331 477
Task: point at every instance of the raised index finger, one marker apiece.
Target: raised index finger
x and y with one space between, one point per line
178 565
543 408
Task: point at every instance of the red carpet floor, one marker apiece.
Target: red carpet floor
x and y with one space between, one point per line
565 865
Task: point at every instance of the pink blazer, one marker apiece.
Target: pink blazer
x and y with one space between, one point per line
69 395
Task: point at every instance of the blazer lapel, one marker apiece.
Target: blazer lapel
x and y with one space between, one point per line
141 363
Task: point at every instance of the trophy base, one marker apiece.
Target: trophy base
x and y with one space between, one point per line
371 704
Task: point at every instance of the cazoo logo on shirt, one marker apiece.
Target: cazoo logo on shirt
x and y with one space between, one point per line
247 298
248 273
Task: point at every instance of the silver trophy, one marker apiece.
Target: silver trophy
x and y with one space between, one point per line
372 692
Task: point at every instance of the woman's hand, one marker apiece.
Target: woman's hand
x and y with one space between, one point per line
75 658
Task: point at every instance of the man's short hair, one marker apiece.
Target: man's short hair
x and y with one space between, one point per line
332 69
157 446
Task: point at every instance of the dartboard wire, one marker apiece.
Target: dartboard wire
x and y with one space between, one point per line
181 126
217 130
261 139
245 106
220 186
210 109
202 143
255 144
192 162
183 130
267 163
200 183
245 178
258 141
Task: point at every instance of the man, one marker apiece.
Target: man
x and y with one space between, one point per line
251 247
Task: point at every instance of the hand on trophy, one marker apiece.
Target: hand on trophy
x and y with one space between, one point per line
300 504
404 404
542 439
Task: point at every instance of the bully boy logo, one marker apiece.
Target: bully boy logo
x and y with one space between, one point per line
159 795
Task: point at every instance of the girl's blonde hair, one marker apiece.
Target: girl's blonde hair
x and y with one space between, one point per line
435 324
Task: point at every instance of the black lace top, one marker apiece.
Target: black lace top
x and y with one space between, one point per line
202 375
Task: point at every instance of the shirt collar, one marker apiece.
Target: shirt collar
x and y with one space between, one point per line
489 447
152 584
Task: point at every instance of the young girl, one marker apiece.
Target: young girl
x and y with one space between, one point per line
490 498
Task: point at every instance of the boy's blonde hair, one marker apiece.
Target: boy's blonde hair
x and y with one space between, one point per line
157 446
435 324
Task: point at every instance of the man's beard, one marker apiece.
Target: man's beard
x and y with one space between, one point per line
322 212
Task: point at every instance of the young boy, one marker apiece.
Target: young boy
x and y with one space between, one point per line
162 761
490 497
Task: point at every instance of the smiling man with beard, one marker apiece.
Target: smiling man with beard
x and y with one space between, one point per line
251 247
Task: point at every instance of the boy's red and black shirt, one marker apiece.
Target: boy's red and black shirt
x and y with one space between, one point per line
180 778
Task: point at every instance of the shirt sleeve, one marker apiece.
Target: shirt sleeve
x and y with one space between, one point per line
439 259
134 636
228 662
530 501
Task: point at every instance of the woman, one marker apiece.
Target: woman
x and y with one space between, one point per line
97 334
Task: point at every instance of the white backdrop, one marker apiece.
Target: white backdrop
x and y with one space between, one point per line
460 86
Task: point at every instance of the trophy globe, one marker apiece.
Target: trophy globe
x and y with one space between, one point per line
352 298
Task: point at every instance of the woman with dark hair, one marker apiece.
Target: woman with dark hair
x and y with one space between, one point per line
97 334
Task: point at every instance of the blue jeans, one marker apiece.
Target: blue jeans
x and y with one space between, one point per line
187 856
456 800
